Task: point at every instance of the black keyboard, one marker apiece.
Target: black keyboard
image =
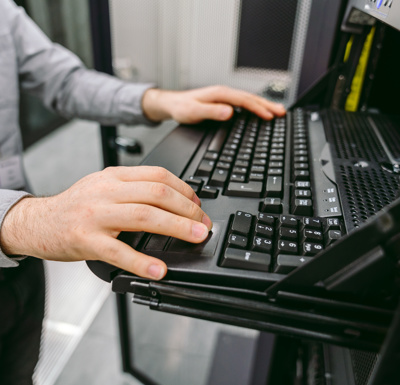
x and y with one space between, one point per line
249 159
254 158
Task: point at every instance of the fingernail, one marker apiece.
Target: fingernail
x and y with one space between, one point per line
207 221
200 231
156 271
196 200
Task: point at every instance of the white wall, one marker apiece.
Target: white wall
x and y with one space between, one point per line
183 44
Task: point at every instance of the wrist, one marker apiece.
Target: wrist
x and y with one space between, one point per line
24 226
155 104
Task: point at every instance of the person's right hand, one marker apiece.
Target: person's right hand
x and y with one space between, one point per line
83 222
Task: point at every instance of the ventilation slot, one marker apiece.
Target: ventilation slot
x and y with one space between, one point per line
363 364
366 192
353 137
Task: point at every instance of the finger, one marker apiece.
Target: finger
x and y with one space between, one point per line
256 104
125 257
161 196
155 174
214 111
139 217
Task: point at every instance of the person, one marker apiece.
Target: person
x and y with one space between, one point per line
83 222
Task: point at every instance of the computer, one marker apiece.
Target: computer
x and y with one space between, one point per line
306 230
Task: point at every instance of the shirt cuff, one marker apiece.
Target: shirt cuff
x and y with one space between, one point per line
130 104
8 198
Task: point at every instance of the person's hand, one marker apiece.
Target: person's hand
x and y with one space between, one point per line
213 102
83 222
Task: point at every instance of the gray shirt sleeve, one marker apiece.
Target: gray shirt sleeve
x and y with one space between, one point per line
60 80
8 198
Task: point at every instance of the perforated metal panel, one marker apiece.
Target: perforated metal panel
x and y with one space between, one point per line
181 44
363 364
364 186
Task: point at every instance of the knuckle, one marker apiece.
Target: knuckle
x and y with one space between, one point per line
141 214
161 174
220 89
159 190
194 211
108 170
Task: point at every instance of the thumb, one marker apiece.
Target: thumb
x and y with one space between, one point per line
214 111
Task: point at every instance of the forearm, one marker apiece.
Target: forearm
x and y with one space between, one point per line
26 229
8 199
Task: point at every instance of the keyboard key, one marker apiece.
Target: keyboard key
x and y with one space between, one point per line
272 205
302 175
302 193
242 163
264 230
302 184
237 178
208 192
238 241
303 207
240 170
287 263
226 158
251 189
218 139
288 221
333 236
287 247
259 162
205 168
275 171
256 177
333 223
224 165
194 181
219 177
312 249
257 169
242 223
301 166
275 164
211 155
195 184
274 186
260 155
312 223
228 152
288 233
262 244
244 259
313 235
243 157
266 219
156 242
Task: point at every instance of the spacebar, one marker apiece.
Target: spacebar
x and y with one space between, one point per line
251 189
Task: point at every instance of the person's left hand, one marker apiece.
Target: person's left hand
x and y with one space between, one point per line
213 102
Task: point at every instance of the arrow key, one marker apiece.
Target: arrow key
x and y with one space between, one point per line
274 186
